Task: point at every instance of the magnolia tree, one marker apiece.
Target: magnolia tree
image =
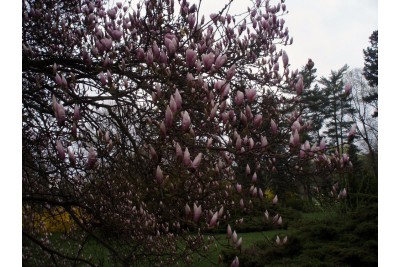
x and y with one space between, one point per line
138 117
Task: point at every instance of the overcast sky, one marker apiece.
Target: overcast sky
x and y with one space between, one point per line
330 32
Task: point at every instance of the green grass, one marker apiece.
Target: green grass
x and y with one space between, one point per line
222 243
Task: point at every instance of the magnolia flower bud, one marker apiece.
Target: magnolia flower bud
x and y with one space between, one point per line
186 157
208 60
352 132
239 98
264 141
347 89
77 114
235 262
196 212
275 200
187 210
191 57
220 61
274 128
239 188
60 114
229 231
178 99
168 117
60 150
251 94
159 175
299 85
196 161
163 130
178 150
185 121
285 59
92 158
71 157
239 243
214 219
296 138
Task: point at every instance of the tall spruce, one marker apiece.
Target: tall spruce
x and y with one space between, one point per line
312 102
336 108
370 70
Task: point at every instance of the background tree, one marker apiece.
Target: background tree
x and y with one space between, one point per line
371 70
135 118
337 108
367 125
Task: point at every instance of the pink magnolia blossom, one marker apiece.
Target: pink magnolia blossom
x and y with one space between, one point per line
238 144
178 99
296 138
149 57
71 157
172 104
221 212
257 120
266 215
220 61
229 231
239 98
347 89
92 158
254 178
187 210
238 187
112 13
208 60
248 169
191 20
235 262
168 117
171 44
178 150
275 200
239 243
251 94
103 78
196 212
352 132
60 150
60 114
77 114
58 80
163 129
260 193
186 157
159 175
264 141
322 144
185 120
285 59
274 128
196 161
231 72
299 85
234 237
214 219
116 35
191 57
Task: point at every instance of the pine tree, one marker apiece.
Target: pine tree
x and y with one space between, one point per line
371 69
336 108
